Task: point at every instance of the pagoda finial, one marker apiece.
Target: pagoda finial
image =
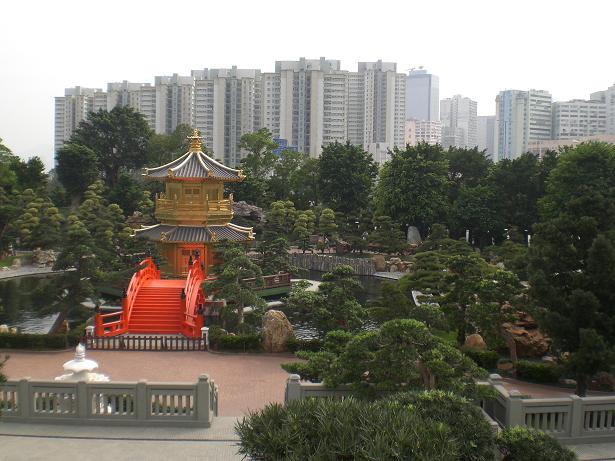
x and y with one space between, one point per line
195 141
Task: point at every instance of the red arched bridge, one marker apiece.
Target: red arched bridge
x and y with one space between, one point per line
156 306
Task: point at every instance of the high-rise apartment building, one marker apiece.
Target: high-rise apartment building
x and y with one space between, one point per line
578 118
377 101
226 106
174 102
140 96
521 117
306 104
428 131
608 98
73 108
486 135
422 95
458 116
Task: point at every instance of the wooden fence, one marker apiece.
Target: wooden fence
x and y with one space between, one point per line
326 263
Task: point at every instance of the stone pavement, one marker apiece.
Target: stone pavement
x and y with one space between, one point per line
34 442
246 381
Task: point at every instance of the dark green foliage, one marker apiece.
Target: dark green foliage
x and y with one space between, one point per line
346 177
163 148
572 259
322 429
130 194
387 236
250 342
539 372
465 420
413 186
77 168
119 139
40 342
523 444
484 358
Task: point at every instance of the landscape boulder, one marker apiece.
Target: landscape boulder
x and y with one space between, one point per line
245 210
413 236
276 332
4 328
475 341
44 258
379 263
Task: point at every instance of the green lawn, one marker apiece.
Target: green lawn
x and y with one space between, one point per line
8 261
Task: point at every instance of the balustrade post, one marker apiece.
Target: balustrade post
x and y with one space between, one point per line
24 398
576 416
203 411
98 323
83 407
293 388
514 409
141 404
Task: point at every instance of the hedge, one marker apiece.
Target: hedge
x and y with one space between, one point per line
540 372
484 358
219 340
39 341
525 444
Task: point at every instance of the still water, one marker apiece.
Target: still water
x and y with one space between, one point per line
32 304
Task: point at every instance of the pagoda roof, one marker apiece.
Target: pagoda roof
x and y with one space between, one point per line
196 234
195 164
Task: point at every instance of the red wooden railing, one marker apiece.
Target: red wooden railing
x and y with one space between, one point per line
116 323
194 298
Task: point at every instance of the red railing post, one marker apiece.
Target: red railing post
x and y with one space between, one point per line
98 324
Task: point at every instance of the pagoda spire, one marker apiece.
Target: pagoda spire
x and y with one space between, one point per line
195 141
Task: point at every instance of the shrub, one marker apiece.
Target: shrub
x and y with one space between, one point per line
323 429
540 372
484 358
218 340
312 345
466 421
38 341
524 444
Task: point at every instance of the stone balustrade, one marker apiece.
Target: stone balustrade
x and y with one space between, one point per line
571 419
115 403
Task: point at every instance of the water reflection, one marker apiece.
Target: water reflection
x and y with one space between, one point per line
32 303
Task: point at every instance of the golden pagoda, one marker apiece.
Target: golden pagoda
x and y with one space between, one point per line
193 211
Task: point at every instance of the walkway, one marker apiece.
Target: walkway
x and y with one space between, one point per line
27 271
46 442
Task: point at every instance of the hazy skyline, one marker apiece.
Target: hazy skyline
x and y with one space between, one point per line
477 48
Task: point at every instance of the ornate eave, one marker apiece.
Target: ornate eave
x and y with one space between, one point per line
196 234
195 165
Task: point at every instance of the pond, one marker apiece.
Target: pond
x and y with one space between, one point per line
35 303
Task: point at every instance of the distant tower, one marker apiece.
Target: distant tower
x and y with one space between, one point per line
422 95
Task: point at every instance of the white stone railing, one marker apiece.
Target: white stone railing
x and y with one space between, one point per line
572 419
140 403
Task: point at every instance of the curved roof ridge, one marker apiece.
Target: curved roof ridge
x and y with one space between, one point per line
203 163
217 163
167 165
186 160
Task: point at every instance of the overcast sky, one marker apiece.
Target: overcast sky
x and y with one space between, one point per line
476 47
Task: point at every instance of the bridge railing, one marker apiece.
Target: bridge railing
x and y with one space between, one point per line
118 403
115 323
194 299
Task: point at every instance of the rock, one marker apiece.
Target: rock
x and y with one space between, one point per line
549 359
277 330
44 258
4 268
529 343
393 268
379 263
413 236
13 330
4 328
568 382
16 263
475 341
245 210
